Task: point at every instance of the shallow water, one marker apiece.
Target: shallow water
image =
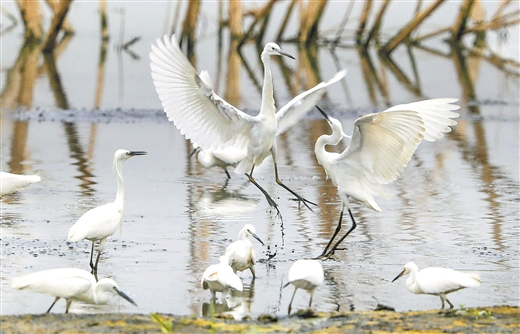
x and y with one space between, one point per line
456 205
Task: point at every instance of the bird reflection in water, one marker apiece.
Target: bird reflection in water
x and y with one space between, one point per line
236 304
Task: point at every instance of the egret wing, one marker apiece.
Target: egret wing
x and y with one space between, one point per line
65 282
295 109
190 102
435 280
383 143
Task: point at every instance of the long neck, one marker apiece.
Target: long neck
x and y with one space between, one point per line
118 173
411 282
324 140
267 108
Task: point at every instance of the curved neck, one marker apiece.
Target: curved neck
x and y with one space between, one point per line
411 283
118 173
324 140
267 108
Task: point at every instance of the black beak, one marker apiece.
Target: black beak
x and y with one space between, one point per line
122 294
283 53
323 113
134 153
400 274
258 238
195 150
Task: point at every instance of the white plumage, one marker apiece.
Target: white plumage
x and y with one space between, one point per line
10 183
306 275
437 281
220 278
287 116
380 148
240 254
70 284
212 123
101 222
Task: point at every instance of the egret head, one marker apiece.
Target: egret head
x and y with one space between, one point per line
333 122
408 267
249 230
107 286
124 155
273 49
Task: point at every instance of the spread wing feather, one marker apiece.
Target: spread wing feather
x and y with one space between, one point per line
383 143
295 109
190 102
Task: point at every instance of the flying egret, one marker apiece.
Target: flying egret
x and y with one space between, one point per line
212 123
379 149
101 222
286 116
240 253
71 284
437 281
220 278
10 183
306 275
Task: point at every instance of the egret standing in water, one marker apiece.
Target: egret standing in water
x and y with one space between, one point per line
379 149
212 123
437 281
286 116
101 222
220 278
10 183
306 275
240 254
71 284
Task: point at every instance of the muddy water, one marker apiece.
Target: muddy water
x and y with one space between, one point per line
456 205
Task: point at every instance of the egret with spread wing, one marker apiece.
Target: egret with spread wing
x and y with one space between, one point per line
379 149
212 123
286 116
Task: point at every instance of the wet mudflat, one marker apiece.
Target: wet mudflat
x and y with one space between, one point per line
482 320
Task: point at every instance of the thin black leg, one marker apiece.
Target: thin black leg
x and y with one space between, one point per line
338 228
55 300
267 197
343 237
298 197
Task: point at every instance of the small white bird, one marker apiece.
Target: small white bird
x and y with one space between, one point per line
101 222
437 281
71 284
287 116
307 275
240 254
10 183
212 123
220 278
379 149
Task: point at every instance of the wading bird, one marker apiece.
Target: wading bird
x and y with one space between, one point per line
10 183
212 123
437 281
240 254
286 116
71 284
220 278
101 222
306 275
379 149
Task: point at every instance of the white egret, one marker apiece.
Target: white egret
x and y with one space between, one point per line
220 278
212 123
10 183
379 149
437 281
286 116
101 222
240 254
71 284
306 275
